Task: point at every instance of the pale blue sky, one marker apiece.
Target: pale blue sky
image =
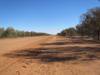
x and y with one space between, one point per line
50 16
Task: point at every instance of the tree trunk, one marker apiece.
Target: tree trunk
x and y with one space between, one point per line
98 35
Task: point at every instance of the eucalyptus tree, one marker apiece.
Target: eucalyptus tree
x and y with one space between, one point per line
1 32
90 23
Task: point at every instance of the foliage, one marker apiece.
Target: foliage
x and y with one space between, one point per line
68 32
1 31
11 32
89 26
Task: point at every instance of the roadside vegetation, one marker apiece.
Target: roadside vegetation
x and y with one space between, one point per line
11 33
89 25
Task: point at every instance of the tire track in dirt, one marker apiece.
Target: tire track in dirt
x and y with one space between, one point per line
42 40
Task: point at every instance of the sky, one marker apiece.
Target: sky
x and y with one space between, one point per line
51 16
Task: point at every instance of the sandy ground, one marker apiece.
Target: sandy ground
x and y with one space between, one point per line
49 55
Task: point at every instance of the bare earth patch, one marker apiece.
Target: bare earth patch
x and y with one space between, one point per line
49 55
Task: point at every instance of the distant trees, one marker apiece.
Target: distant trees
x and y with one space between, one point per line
68 32
11 32
89 26
1 32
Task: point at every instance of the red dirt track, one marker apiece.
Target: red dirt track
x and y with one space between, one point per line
49 55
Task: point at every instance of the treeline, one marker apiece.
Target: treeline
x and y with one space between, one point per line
89 25
68 32
11 32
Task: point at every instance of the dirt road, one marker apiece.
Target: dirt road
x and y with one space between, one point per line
49 55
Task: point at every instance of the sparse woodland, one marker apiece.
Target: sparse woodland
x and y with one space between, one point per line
89 25
11 32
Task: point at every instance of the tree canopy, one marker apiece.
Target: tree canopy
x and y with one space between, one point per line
11 32
89 25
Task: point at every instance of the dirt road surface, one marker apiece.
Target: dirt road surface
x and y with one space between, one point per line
49 55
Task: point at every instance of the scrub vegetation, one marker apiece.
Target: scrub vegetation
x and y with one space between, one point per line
11 33
89 25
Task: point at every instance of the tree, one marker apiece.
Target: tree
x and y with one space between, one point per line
68 32
90 23
9 32
1 32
